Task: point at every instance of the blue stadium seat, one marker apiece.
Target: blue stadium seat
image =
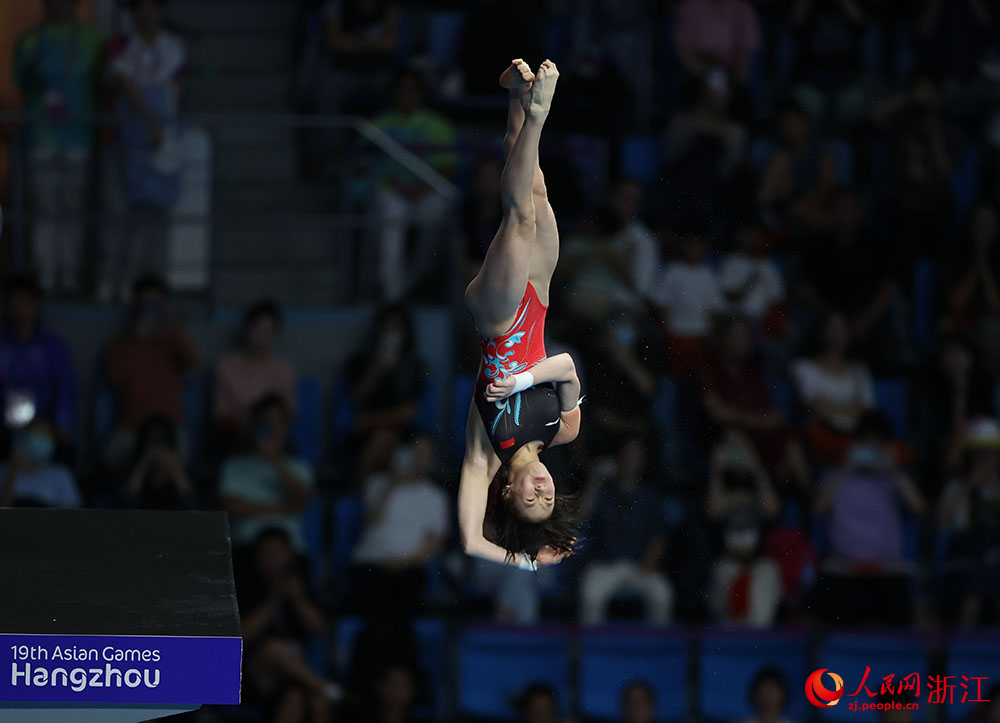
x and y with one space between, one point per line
307 429
557 37
760 150
892 396
669 68
664 413
847 654
317 654
343 414
791 515
496 663
405 38
102 422
972 657
757 83
965 182
428 412
314 533
434 660
348 519
879 159
609 660
589 157
462 388
911 537
906 56
923 306
785 57
345 632
195 409
781 392
843 157
444 31
641 158
872 49
728 660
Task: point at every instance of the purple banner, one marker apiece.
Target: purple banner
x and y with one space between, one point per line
119 669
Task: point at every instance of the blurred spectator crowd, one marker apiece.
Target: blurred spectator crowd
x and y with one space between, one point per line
781 286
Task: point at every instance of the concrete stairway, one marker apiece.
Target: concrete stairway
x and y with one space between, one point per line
242 55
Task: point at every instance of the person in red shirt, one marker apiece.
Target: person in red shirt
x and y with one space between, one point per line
146 364
736 394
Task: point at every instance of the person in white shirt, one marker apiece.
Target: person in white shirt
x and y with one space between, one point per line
836 391
751 282
146 66
636 241
688 297
406 522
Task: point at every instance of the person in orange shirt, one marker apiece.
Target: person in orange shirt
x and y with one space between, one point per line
146 364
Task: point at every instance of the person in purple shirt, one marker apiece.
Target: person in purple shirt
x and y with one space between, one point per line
862 505
37 378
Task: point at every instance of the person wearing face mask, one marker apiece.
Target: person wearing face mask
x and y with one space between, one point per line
746 585
146 364
620 396
386 383
31 478
249 372
406 522
267 487
866 577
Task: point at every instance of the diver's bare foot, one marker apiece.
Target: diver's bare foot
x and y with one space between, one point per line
517 78
538 102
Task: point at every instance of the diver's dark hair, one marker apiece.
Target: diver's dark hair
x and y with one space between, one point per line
515 534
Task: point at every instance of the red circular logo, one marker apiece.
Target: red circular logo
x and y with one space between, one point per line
818 694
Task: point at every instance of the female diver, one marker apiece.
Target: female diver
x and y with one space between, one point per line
524 401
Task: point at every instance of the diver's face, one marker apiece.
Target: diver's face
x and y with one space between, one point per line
532 492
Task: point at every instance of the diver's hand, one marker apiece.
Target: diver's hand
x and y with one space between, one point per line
500 389
549 555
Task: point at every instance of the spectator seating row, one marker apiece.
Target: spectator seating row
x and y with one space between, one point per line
442 31
705 673
307 428
892 396
641 158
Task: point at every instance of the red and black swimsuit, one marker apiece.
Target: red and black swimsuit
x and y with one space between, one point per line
534 413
